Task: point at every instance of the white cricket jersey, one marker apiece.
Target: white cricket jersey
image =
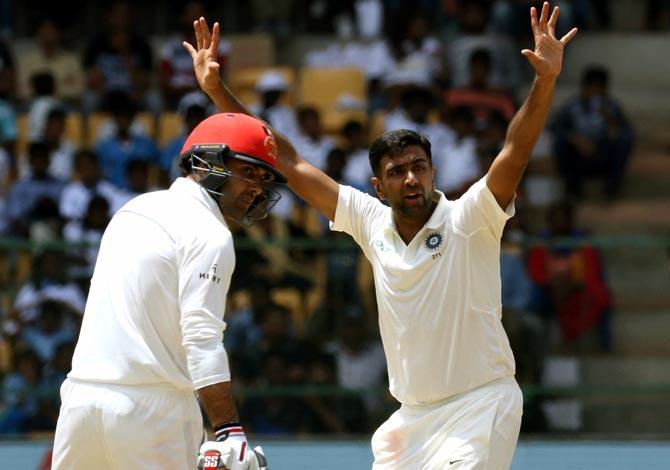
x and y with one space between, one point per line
154 313
438 297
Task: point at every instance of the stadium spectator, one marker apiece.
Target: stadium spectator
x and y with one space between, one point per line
29 192
360 359
51 57
44 89
270 87
169 168
115 152
49 282
457 164
475 33
20 392
357 170
478 95
55 324
312 143
525 329
416 56
592 137
175 65
62 150
569 281
76 195
119 59
85 236
343 413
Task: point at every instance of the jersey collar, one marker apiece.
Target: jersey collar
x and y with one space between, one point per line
440 212
192 189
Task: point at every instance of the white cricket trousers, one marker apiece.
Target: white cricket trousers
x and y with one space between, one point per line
476 430
106 426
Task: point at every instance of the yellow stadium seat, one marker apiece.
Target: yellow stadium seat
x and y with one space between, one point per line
170 126
323 87
93 123
377 124
74 131
243 83
249 50
333 120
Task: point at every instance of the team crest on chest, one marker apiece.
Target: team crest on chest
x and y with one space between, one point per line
434 241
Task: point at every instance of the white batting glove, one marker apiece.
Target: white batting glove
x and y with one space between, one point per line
230 451
231 455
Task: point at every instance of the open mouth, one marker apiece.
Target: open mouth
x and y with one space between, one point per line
412 197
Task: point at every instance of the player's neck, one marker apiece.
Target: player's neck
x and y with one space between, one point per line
408 227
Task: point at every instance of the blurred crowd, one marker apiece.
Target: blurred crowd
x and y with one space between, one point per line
300 313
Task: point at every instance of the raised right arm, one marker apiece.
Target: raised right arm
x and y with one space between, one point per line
314 186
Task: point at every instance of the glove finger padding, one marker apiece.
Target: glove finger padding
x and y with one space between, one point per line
257 459
232 455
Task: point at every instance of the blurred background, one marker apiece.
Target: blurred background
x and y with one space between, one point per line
96 101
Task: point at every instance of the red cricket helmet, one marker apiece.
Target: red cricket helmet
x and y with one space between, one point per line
246 138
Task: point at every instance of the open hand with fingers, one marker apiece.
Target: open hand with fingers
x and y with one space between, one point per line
547 57
204 54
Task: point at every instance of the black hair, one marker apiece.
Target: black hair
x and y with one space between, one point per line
120 103
84 153
136 164
461 113
38 149
481 55
352 126
390 143
56 113
43 83
306 112
595 75
414 93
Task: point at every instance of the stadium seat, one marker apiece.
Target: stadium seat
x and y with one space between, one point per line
333 120
323 87
377 124
170 125
243 82
249 50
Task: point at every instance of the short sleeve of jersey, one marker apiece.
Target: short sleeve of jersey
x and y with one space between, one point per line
205 269
478 209
356 214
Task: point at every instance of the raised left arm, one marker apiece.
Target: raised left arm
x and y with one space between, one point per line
507 169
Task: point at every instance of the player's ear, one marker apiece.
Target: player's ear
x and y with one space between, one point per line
379 189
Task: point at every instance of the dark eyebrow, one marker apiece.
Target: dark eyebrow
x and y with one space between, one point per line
415 159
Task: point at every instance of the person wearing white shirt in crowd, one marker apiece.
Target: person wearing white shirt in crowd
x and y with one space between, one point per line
436 266
357 169
151 338
76 195
270 87
313 145
458 164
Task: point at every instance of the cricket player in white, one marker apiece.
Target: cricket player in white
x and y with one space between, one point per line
437 273
153 326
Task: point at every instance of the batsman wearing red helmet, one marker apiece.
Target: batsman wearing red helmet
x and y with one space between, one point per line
153 326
